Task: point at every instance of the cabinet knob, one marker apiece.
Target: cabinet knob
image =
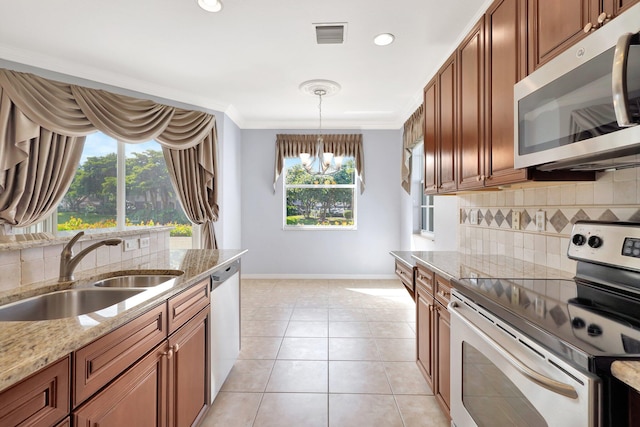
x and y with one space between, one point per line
168 353
176 347
588 27
443 294
603 18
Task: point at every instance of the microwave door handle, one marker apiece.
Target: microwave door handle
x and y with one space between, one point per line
619 79
546 382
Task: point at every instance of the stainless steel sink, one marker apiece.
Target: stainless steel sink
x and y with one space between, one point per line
135 280
61 304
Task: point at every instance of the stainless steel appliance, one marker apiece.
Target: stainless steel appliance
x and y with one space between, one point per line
225 324
580 110
538 352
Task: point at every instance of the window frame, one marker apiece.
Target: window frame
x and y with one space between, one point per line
354 209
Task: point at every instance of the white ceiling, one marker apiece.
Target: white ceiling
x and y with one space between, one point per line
249 59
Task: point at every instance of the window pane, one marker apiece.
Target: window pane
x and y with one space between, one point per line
326 201
91 199
150 198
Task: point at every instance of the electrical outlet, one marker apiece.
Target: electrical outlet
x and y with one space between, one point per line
473 217
515 220
144 242
541 220
130 245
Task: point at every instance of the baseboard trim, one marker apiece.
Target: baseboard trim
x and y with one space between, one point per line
321 276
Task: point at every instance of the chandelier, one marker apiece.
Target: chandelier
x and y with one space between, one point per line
323 162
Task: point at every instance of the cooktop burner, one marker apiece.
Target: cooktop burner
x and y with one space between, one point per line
595 315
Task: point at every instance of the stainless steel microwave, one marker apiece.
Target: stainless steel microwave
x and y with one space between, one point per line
581 110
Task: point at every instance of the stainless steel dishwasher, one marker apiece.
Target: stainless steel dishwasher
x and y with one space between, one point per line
225 323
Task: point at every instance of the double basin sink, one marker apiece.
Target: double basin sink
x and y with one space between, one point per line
95 296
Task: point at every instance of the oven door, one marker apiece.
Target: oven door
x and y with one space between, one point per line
501 378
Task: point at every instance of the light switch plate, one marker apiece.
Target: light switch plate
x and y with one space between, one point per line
541 220
130 245
144 242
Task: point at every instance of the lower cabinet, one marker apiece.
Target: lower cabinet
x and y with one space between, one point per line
40 400
433 333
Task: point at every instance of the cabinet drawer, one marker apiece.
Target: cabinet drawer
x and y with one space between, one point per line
101 361
424 279
187 304
405 274
41 399
443 290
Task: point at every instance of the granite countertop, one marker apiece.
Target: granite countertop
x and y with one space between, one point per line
405 257
25 347
628 372
457 265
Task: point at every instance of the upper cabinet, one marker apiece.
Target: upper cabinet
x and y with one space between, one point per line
430 136
471 109
447 126
556 25
505 32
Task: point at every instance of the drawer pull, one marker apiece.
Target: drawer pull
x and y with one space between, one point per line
444 294
173 349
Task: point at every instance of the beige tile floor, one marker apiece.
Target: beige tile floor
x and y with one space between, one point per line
336 353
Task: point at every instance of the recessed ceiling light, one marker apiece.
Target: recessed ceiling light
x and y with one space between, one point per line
384 39
210 5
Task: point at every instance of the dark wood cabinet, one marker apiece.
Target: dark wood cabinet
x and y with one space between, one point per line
136 398
470 103
42 399
187 304
447 126
616 7
406 274
431 136
424 324
64 423
433 334
505 33
189 372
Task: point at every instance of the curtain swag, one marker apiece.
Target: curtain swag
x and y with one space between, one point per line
291 145
43 125
413 135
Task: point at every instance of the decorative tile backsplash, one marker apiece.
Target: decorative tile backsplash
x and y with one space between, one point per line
614 196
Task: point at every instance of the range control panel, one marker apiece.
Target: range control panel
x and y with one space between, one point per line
610 243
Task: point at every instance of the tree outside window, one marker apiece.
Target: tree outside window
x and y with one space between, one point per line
320 201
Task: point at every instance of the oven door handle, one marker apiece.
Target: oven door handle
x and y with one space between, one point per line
619 79
548 383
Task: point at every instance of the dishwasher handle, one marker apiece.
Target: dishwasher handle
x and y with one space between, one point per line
220 276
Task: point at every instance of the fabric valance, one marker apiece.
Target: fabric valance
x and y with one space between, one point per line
346 145
413 135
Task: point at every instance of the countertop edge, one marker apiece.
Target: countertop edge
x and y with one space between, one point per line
628 372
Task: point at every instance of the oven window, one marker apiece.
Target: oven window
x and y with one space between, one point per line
490 397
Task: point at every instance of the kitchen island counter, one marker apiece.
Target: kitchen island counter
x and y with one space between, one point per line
27 346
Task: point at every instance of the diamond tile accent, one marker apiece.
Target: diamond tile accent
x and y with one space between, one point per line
509 217
608 216
499 217
635 217
525 220
558 221
488 217
480 216
463 216
580 215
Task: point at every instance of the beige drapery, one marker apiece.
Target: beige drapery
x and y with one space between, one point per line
413 135
291 145
31 106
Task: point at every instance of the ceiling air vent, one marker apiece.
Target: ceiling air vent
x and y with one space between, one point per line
331 33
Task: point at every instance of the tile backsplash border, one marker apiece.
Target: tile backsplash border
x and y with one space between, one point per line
614 196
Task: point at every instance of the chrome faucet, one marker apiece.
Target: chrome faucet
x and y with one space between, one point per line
68 262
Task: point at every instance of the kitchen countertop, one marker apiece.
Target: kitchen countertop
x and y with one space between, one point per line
628 372
405 257
457 265
26 347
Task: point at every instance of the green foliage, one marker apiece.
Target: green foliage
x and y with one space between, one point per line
348 214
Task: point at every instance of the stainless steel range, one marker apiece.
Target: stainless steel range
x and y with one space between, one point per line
538 352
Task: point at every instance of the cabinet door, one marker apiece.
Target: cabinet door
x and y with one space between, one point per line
430 136
40 400
187 304
447 126
136 398
506 64
555 25
471 108
442 326
189 371
424 333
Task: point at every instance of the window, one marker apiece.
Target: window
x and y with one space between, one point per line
319 202
118 185
423 207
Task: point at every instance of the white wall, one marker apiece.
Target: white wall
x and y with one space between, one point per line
332 253
228 228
